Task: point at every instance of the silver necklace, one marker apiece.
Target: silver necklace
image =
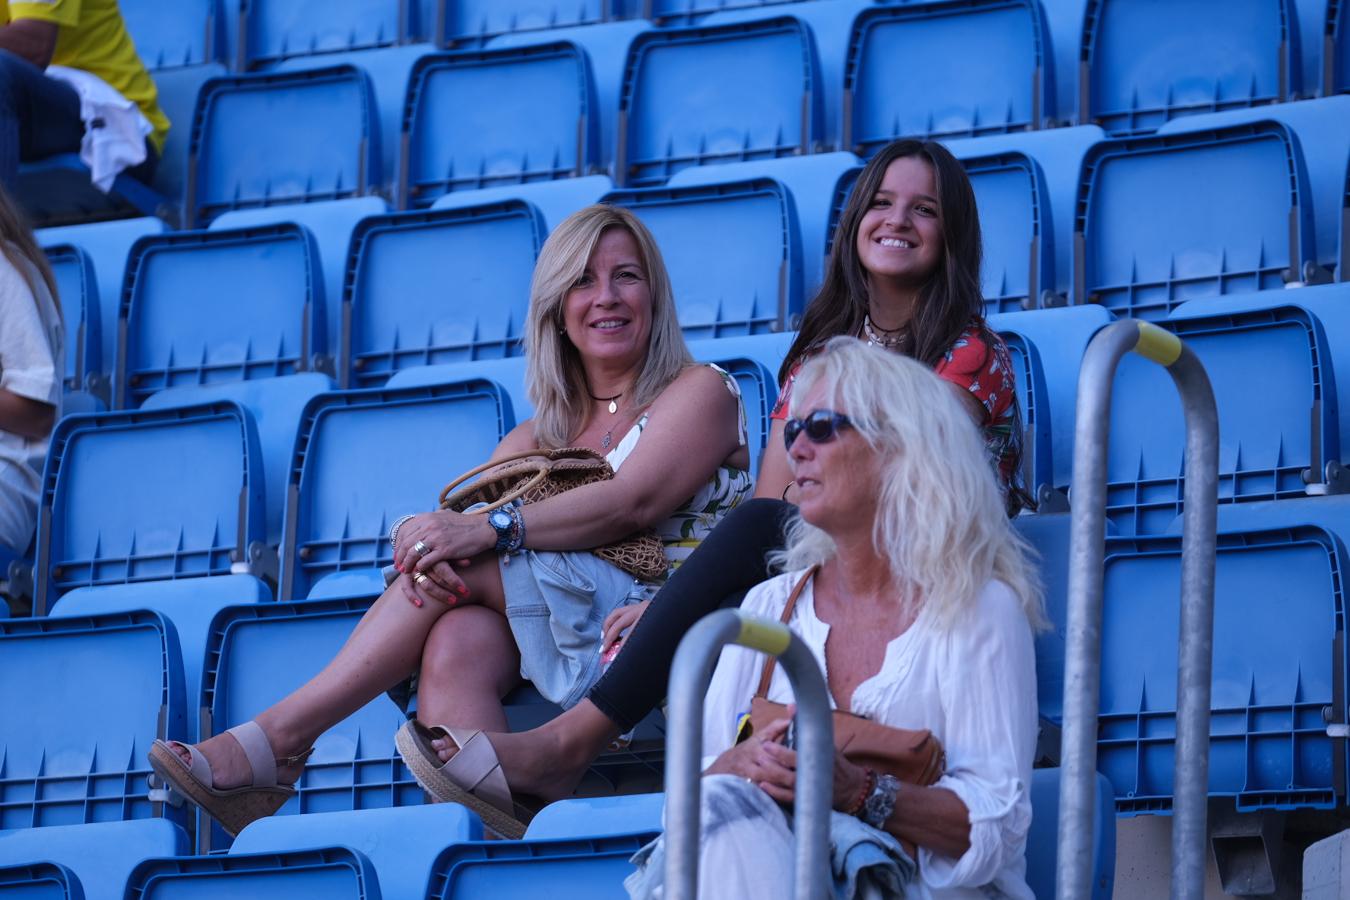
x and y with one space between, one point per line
613 408
876 337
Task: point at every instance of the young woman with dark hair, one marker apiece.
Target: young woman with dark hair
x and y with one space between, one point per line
904 276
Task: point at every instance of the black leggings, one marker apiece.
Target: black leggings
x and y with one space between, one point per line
730 561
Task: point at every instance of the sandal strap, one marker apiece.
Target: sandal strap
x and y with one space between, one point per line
253 739
198 767
476 769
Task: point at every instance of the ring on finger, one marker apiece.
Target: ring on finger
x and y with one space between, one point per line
421 548
420 578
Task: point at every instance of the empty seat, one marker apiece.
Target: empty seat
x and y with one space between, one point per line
278 29
99 856
1033 401
1043 836
208 307
81 702
507 372
732 251
698 96
1277 604
258 654
484 118
1277 420
1015 224
567 869
666 12
766 349
1144 63
1150 232
471 22
579 817
968 69
142 496
331 223
174 35
337 517
401 843
40 881
77 290
437 286
292 137
189 605
337 872
555 200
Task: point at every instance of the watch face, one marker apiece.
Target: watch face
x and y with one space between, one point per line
499 520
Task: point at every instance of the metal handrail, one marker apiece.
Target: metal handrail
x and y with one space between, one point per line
1082 670
689 678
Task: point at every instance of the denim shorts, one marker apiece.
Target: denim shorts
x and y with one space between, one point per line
556 604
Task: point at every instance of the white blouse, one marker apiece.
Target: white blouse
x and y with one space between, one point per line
973 686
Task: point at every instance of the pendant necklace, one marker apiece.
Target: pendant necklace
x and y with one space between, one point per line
613 408
889 339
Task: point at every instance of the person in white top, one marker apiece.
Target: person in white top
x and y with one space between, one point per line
921 615
32 362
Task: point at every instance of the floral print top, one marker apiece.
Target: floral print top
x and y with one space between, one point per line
985 369
689 525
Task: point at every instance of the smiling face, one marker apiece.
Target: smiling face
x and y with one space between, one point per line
608 311
836 480
900 233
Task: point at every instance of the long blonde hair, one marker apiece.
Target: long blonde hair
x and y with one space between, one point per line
940 521
18 244
554 377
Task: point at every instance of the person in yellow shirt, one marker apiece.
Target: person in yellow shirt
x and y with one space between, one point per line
40 110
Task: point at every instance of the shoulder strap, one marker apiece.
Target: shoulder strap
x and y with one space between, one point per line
788 607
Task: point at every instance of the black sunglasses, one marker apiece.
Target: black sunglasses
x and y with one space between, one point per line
819 426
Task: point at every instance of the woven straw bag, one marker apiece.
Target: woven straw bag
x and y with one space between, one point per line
533 475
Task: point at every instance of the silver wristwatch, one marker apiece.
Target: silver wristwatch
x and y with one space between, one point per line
880 803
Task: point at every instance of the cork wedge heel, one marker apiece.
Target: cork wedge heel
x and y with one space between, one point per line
233 808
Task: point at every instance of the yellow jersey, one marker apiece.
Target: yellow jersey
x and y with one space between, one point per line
93 37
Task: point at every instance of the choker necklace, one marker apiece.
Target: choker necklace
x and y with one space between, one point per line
613 407
890 339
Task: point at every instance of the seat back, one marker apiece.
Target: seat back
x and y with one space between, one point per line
99 855
170 36
143 496
437 286
970 69
288 137
759 392
1033 402
1019 248
567 869
77 292
485 118
1145 63
1043 838
337 517
699 96
211 307
278 29
75 747
732 251
337 872
472 22
1150 234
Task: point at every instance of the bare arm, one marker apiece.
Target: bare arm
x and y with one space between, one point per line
24 416
30 39
774 472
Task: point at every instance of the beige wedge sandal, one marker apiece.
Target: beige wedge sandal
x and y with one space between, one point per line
473 776
233 808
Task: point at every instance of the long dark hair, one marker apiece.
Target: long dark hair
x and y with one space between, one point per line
947 305
18 242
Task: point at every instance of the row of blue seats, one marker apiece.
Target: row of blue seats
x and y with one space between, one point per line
347 288
573 849
643 103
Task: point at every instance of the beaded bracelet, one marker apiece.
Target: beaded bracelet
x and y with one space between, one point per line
393 532
869 784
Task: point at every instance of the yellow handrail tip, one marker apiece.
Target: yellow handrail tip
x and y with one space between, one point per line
1157 344
763 635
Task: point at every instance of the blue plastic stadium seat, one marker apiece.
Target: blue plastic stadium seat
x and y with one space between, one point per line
278 29
84 699
1152 233
331 223
171 36
510 116
143 496
732 251
57 190
400 843
555 200
276 405
437 286
258 654
1277 590
1043 838
337 872
1338 30
582 817
40 881
671 12
759 392
471 22
107 244
293 137
337 516
77 290
981 67
1144 63
766 349
100 856
566 869
699 96
1033 399
256 309
188 605
1277 420
507 372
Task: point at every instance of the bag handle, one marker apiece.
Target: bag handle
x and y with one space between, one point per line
541 472
788 607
